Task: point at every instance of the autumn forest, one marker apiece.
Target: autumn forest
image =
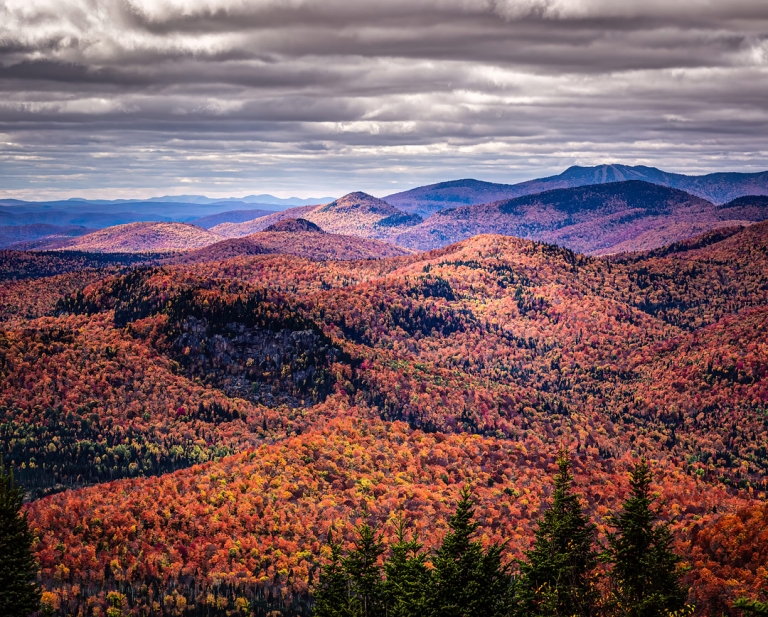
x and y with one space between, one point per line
240 430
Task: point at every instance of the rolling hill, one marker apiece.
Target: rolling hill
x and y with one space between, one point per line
356 214
143 238
310 244
325 246
246 228
717 188
289 394
190 428
596 219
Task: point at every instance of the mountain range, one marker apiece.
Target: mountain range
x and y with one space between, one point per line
599 218
717 187
407 219
602 218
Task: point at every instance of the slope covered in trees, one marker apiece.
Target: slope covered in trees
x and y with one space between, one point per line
142 238
254 524
287 394
597 219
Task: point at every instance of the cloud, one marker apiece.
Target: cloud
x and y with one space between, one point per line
111 97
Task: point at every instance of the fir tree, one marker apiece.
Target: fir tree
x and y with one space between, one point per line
467 581
364 572
332 594
751 607
406 576
19 593
557 577
645 581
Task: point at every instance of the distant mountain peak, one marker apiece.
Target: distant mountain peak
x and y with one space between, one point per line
362 203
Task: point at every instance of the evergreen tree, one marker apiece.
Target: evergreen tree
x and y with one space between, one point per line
364 572
751 607
645 581
332 594
467 581
557 577
406 576
19 593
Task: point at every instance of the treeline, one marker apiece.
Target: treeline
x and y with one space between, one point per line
566 573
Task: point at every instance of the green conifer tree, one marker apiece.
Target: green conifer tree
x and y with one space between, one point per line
364 572
467 581
19 592
644 576
406 576
332 594
751 607
557 578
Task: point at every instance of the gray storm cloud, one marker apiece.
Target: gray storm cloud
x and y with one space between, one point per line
117 98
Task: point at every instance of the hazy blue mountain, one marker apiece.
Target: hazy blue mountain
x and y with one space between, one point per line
263 199
98 215
14 234
230 216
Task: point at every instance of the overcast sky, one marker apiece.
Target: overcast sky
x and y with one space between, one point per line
120 98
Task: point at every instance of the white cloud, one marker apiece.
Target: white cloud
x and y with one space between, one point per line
332 95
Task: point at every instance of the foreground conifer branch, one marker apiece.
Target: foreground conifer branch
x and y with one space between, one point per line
19 591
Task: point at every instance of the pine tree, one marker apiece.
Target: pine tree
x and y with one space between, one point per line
406 576
332 594
751 607
19 593
557 577
364 572
645 581
467 581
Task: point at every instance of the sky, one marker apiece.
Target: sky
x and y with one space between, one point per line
133 98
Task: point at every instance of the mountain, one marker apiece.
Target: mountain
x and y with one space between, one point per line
236 406
289 238
142 238
356 214
15 234
263 199
325 246
230 216
99 214
601 218
41 214
717 188
246 228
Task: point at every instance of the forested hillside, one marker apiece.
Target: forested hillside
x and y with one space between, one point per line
596 219
230 406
